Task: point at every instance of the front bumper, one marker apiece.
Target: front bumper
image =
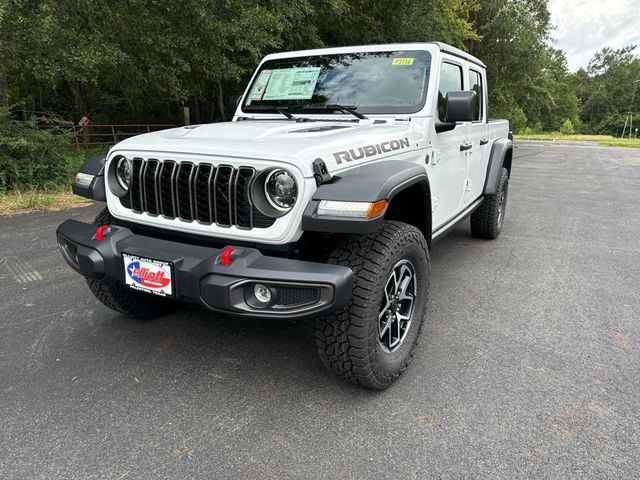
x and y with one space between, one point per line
298 288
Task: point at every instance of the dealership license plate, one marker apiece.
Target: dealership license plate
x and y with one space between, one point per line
147 275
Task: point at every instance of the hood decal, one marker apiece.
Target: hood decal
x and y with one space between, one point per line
371 150
265 143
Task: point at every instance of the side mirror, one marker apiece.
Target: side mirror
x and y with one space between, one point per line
232 105
461 106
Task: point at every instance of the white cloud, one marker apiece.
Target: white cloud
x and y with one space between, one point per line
586 26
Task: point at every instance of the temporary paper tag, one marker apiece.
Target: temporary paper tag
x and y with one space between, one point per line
402 61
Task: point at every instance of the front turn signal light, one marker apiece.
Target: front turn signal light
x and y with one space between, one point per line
366 210
376 209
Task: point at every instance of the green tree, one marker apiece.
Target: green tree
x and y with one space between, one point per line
526 76
386 21
605 89
140 60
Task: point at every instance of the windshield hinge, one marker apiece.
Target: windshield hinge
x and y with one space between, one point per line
320 172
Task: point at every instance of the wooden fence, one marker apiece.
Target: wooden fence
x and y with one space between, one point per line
95 135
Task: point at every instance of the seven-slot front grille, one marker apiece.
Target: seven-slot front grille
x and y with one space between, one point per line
203 192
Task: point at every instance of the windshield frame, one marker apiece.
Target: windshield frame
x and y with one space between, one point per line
400 51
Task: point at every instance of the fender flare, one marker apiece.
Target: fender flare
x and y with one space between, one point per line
366 183
93 188
500 150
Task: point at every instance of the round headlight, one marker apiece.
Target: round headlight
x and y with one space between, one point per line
281 190
123 173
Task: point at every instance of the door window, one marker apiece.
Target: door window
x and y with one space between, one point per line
450 80
475 84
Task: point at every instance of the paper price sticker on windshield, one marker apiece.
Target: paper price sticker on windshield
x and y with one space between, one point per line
402 61
260 86
292 83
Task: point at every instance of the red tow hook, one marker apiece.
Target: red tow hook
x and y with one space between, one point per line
225 256
100 231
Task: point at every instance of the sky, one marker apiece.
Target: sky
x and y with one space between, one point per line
586 26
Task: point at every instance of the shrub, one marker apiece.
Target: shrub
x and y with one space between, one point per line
517 119
567 127
534 129
35 158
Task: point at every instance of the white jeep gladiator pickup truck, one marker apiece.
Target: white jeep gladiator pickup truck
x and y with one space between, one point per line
321 198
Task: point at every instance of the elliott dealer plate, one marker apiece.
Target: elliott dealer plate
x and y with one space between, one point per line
147 275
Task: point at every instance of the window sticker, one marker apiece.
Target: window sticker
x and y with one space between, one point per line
260 86
402 61
292 83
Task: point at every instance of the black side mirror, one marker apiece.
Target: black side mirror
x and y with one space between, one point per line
444 127
232 105
461 106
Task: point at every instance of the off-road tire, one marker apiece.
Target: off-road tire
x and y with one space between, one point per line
348 340
487 220
141 306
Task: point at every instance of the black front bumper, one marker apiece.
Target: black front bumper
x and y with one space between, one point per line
298 288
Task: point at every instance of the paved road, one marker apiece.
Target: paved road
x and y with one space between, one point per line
528 366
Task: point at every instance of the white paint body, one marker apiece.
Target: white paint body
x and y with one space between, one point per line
456 177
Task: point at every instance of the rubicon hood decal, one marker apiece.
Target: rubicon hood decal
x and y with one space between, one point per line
371 150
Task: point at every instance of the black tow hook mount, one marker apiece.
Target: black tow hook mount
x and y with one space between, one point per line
320 172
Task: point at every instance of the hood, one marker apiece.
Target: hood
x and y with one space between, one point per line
339 144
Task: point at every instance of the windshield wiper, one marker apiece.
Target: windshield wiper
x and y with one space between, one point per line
269 108
334 107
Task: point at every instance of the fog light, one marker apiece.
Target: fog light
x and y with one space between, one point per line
262 293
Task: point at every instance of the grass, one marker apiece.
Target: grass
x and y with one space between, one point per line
621 142
17 202
603 140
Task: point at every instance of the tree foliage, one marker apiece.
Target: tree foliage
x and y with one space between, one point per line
384 21
33 158
605 90
528 79
126 61
139 60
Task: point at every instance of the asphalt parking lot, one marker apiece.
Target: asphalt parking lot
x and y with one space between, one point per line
529 365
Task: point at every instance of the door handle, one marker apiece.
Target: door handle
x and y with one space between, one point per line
483 141
466 146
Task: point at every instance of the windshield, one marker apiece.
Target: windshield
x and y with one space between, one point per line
376 82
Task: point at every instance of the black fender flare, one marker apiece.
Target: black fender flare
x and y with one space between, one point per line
500 151
93 188
366 183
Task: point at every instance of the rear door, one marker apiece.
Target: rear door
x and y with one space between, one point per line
478 156
449 162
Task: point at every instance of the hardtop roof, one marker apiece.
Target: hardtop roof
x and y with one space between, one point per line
443 47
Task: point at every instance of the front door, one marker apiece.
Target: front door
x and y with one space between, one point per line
449 160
